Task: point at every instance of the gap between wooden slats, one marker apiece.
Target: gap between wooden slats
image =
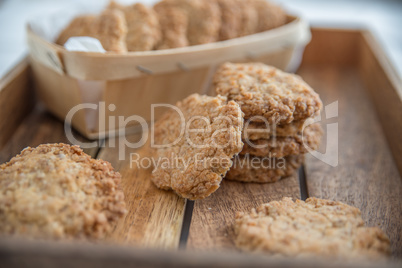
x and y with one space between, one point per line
212 222
155 217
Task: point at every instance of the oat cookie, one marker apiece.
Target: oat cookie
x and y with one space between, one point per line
204 19
143 30
263 90
201 145
57 191
249 18
261 130
316 227
269 15
264 169
109 28
174 23
283 146
231 19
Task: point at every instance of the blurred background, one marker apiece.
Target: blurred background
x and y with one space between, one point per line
382 17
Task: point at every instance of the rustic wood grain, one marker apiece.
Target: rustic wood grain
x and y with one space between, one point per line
385 87
333 46
16 99
154 216
38 128
366 176
32 254
212 223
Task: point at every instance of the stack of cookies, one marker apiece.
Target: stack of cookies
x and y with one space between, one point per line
276 106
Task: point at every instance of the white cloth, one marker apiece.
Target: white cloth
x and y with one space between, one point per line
85 44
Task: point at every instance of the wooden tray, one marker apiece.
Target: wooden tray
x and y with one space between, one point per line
162 229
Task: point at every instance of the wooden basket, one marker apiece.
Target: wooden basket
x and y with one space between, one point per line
134 81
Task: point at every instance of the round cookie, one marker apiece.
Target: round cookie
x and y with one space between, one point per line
193 148
174 23
263 90
203 16
143 30
231 19
109 28
284 146
269 15
249 18
57 191
245 169
314 228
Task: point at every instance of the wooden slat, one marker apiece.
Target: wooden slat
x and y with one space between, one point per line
16 99
32 254
385 87
366 176
154 216
332 46
212 223
38 128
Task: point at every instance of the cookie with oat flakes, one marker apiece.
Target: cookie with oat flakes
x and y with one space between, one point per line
174 23
266 91
249 18
316 227
280 146
193 145
231 19
270 15
109 28
57 191
203 17
143 29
